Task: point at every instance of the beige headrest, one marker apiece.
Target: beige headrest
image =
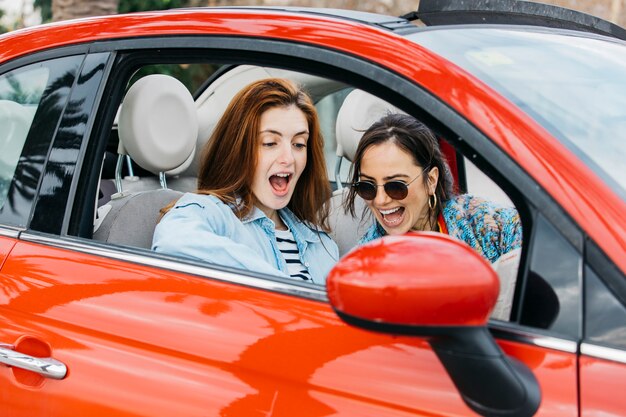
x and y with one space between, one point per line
158 124
357 113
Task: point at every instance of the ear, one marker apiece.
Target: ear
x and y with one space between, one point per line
433 180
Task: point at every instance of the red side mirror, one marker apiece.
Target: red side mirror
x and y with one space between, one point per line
425 279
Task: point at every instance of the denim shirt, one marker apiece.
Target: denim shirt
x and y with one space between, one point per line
202 227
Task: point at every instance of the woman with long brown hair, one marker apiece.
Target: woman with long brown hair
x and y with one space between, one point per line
262 196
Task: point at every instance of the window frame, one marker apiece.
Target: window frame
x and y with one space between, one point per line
42 132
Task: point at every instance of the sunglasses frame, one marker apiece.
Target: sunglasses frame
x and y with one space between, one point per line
405 190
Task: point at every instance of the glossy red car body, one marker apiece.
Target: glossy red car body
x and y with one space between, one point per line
157 339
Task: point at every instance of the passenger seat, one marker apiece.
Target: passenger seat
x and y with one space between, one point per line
357 113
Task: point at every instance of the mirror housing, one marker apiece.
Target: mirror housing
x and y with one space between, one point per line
433 286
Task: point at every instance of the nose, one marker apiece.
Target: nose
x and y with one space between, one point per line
286 156
381 197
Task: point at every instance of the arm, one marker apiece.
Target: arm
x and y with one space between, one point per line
204 231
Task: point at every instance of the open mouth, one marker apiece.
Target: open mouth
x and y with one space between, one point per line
280 183
392 217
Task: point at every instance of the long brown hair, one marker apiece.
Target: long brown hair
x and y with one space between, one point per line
229 158
417 140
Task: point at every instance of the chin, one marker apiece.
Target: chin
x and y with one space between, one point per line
278 203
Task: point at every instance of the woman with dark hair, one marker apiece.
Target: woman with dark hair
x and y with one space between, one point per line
262 192
401 173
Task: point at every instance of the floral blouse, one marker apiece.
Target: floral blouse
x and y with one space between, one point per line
491 230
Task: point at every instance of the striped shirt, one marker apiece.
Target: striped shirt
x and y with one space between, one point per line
289 249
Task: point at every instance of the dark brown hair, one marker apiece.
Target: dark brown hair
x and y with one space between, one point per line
417 140
229 158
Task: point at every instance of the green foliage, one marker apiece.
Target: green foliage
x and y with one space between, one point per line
3 29
127 6
191 75
45 6
124 6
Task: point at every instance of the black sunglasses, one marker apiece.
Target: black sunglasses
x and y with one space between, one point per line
398 190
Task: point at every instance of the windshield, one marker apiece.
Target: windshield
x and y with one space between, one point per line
574 86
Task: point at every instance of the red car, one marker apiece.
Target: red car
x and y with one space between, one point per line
530 104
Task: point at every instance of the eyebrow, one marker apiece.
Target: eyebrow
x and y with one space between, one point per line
277 133
387 178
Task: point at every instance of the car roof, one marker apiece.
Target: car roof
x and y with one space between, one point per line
196 21
511 12
395 24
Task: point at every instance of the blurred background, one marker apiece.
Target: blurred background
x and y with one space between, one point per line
15 14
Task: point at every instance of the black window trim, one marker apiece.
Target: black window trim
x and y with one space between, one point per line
45 55
70 204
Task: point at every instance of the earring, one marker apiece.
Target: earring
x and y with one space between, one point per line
432 204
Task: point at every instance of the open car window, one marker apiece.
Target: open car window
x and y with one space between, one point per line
132 193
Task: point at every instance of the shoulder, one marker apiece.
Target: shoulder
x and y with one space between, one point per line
203 201
198 200
375 231
469 207
208 207
482 223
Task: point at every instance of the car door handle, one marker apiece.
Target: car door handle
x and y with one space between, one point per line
47 367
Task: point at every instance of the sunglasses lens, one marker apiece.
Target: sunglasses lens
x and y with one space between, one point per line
396 190
366 190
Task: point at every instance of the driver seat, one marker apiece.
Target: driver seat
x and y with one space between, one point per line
158 127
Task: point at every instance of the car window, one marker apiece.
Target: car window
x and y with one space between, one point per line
327 109
210 103
605 315
20 94
584 107
192 75
552 292
478 183
32 99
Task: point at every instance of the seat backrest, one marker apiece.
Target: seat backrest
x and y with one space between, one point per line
131 220
158 127
357 113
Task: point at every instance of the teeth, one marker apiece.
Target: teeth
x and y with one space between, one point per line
385 212
282 175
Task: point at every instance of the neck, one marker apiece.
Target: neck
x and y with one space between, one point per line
427 225
275 217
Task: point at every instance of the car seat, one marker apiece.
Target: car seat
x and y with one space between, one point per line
158 127
357 113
